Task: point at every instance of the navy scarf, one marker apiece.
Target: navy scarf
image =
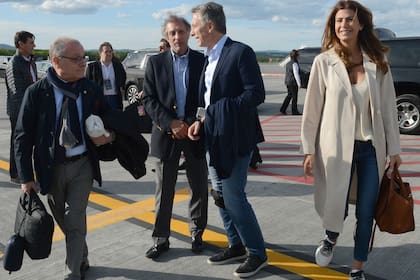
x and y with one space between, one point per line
70 133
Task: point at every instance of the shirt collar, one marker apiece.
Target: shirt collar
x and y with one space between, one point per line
175 56
215 52
103 64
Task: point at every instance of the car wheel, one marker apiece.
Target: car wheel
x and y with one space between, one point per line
408 106
132 93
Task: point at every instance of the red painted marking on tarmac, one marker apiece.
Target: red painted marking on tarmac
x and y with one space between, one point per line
409 174
408 139
415 189
282 148
409 153
281 141
282 156
278 165
272 75
416 202
410 145
298 179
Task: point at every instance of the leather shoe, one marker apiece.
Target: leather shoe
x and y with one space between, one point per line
157 249
197 244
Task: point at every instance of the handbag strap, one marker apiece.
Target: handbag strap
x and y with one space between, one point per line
372 238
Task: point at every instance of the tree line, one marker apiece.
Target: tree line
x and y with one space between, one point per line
262 57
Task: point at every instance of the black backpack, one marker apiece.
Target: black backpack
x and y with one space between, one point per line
35 225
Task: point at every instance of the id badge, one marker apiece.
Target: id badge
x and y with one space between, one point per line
107 84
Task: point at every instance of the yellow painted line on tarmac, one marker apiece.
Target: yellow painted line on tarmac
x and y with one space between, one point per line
279 260
119 211
106 201
143 211
4 165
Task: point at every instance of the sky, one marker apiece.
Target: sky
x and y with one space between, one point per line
135 24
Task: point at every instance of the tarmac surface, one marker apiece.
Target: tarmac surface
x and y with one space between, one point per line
120 216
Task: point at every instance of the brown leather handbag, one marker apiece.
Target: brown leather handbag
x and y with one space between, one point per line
394 209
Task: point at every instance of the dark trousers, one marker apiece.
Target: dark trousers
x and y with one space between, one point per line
114 101
292 94
166 177
12 169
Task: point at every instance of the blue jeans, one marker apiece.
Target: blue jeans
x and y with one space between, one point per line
239 219
364 158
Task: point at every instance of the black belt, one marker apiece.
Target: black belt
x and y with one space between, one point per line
76 157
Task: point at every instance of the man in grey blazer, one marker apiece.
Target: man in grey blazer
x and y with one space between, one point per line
170 98
20 74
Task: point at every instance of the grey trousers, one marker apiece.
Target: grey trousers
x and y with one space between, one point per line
166 177
68 199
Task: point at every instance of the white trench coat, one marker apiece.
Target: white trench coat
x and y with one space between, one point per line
328 130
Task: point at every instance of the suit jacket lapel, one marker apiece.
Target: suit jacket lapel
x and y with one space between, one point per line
370 76
341 71
222 58
169 73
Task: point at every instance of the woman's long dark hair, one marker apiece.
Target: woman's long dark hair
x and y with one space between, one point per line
367 38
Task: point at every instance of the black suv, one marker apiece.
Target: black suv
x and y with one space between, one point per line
404 60
135 65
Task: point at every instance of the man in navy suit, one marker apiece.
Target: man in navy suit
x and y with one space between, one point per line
231 89
171 99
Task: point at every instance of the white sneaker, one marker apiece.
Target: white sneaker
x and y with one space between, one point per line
324 252
359 275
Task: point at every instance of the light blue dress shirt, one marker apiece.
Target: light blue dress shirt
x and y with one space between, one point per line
213 57
181 78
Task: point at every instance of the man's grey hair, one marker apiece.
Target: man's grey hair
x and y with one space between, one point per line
171 19
59 45
213 12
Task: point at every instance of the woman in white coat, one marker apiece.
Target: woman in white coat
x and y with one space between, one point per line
349 127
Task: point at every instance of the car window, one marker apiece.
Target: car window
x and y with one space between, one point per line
133 59
404 53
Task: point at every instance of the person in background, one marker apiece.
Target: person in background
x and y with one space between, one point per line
231 89
349 128
164 45
51 140
109 74
20 74
170 98
293 83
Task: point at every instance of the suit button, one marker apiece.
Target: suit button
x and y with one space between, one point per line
174 107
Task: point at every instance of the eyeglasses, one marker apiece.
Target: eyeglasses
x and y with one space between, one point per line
78 59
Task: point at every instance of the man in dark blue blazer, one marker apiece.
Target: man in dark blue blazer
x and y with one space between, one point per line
170 97
52 142
231 90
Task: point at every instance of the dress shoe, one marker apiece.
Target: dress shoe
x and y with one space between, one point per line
157 249
297 113
283 113
197 244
